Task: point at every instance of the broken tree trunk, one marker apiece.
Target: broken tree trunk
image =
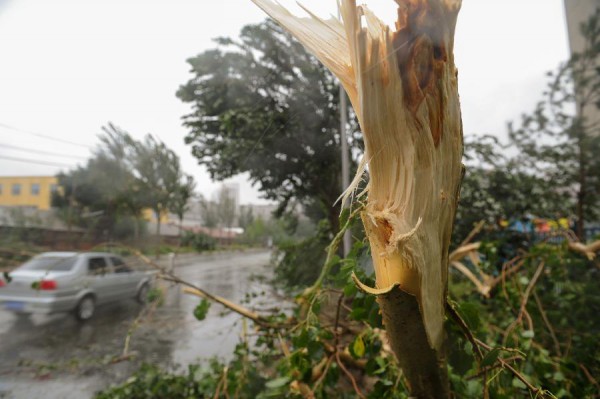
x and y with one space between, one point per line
402 84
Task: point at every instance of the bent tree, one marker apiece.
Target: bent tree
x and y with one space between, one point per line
402 84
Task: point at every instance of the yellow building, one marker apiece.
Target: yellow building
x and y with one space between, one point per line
32 191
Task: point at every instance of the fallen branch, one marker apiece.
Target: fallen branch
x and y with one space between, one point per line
194 290
473 233
525 299
228 304
484 287
588 251
504 363
349 375
463 251
548 324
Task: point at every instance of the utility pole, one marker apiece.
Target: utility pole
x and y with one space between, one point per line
345 161
347 242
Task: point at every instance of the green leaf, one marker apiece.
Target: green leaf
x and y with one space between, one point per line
490 357
558 376
202 309
517 383
154 294
528 334
350 289
468 348
7 277
344 216
524 280
470 314
35 285
278 382
357 348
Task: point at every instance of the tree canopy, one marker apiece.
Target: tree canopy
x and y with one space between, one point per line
550 166
559 141
124 177
261 104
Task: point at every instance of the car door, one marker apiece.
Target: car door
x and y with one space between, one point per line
124 277
100 278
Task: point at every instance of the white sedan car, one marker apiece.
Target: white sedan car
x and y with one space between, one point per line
71 282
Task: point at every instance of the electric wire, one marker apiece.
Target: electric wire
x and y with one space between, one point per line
54 154
44 136
34 161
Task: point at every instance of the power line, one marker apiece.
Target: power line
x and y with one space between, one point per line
34 161
54 154
44 136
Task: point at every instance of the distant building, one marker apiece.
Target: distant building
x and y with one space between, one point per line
265 212
28 191
576 12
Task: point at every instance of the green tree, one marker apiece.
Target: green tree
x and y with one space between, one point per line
496 187
245 217
123 178
179 204
96 195
208 209
158 171
560 141
132 200
226 207
263 105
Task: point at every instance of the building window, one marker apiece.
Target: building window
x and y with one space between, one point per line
16 189
53 188
35 189
0 188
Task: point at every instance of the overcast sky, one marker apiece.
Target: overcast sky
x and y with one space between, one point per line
68 67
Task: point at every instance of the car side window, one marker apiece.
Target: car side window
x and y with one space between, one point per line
119 265
97 266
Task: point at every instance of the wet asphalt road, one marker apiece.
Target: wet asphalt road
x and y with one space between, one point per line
57 357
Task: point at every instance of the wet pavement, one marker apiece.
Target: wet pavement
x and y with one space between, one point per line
57 357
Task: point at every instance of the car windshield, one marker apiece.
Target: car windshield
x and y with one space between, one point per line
50 263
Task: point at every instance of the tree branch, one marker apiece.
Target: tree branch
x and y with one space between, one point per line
548 324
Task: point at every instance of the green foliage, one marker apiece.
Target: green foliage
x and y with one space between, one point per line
96 195
199 241
201 310
300 262
559 140
535 335
561 303
184 191
107 196
158 172
210 212
245 217
239 379
550 167
263 105
155 295
284 362
284 231
495 188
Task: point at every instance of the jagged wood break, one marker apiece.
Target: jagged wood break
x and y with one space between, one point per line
402 84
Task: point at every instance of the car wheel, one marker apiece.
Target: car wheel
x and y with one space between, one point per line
85 308
142 295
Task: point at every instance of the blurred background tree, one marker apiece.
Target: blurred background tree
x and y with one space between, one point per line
261 104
